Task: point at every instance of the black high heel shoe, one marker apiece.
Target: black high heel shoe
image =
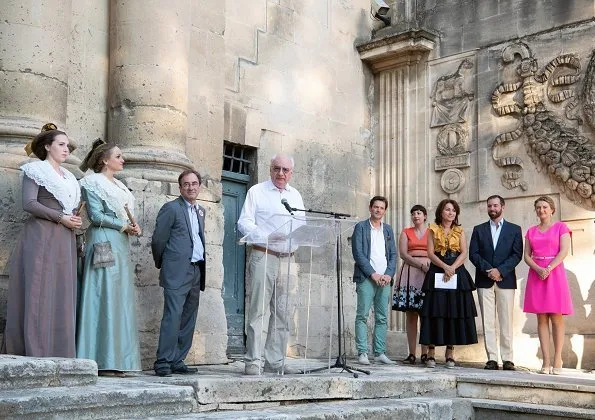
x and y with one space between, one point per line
410 359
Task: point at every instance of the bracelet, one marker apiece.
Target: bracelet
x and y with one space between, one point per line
60 216
549 267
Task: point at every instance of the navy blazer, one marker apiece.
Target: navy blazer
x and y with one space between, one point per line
172 244
506 256
361 250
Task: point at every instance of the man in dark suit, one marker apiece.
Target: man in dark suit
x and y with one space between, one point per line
178 246
495 250
375 254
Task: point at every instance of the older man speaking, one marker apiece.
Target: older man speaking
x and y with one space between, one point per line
263 201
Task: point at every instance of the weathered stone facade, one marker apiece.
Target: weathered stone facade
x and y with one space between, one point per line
433 106
494 98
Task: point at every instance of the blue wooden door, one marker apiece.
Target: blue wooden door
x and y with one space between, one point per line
234 261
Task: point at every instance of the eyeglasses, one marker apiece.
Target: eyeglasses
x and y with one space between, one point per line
187 185
279 169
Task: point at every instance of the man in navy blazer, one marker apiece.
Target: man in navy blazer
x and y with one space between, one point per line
178 246
375 254
496 248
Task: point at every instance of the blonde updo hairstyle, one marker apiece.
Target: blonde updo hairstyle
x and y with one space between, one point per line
548 200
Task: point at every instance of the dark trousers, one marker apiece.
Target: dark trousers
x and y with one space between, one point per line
180 307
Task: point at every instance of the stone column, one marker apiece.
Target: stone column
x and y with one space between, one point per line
148 86
398 62
33 72
402 155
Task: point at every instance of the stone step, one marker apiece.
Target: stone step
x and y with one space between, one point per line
30 372
372 409
109 398
492 410
564 391
236 389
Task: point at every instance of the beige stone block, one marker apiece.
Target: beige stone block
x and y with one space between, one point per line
249 12
149 308
280 22
38 99
165 44
232 72
209 15
241 40
165 87
28 45
151 12
153 126
214 265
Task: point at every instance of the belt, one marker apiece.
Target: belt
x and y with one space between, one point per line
271 252
196 262
542 258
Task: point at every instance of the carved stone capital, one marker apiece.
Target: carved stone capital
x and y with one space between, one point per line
403 48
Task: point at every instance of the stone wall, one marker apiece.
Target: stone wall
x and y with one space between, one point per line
295 83
170 83
501 104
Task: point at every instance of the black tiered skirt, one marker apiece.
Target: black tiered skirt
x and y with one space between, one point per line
448 316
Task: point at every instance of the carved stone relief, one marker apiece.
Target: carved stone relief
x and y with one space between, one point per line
450 102
566 154
449 98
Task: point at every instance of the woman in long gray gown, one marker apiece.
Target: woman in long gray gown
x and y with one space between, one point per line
41 304
106 324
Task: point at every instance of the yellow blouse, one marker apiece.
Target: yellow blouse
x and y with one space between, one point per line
446 242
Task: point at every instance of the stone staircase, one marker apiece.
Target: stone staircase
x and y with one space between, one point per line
65 388
70 389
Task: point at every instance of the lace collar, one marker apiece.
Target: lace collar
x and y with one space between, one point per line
65 189
115 194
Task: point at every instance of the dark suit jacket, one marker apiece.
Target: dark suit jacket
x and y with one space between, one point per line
361 250
506 256
172 244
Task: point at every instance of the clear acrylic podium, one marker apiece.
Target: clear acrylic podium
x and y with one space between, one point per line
302 311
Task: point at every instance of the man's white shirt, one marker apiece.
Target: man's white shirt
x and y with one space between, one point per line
257 220
496 228
377 248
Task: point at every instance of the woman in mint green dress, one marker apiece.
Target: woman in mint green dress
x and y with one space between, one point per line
106 323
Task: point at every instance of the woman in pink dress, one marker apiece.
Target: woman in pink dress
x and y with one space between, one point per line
547 293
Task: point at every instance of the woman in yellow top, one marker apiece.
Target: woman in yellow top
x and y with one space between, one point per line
448 312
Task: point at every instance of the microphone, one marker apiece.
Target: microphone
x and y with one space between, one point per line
286 205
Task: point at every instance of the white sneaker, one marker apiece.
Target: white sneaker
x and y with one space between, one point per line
286 370
363 359
251 369
381 358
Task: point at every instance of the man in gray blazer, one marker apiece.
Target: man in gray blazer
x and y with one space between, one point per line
178 246
375 254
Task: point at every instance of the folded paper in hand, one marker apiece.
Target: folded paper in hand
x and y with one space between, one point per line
439 282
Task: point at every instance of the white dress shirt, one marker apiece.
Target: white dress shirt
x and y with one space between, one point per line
198 249
256 221
377 249
496 228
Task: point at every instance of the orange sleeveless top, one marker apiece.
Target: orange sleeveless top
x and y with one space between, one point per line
416 247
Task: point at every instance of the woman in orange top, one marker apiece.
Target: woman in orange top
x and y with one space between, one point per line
447 314
408 297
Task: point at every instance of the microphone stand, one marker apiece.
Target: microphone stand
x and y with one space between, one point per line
341 361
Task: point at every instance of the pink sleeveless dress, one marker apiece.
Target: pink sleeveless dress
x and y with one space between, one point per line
551 295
